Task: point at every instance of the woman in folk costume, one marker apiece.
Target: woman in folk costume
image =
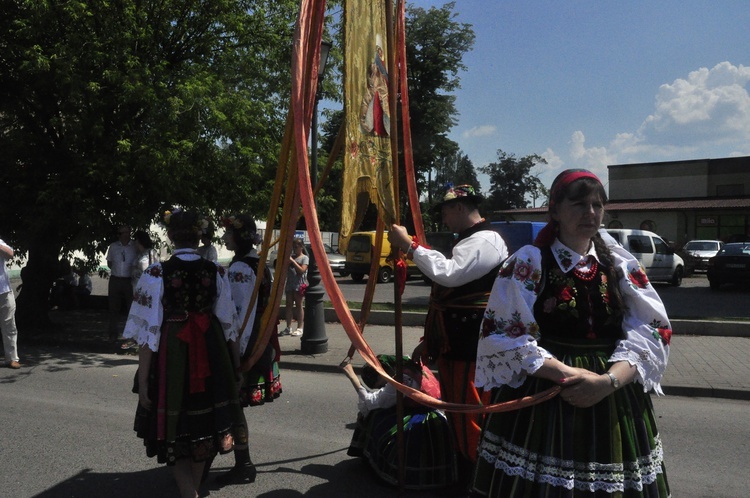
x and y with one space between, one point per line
184 322
574 310
429 457
262 383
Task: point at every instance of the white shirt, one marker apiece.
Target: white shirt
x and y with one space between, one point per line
242 281
4 278
506 355
473 258
120 258
147 311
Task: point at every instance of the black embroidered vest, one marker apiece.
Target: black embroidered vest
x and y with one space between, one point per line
571 308
189 286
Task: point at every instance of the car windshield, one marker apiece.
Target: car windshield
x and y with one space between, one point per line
702 246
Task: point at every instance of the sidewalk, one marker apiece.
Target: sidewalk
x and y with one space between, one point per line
699 365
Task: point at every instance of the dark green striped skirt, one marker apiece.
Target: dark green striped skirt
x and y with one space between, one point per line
553 449
430 461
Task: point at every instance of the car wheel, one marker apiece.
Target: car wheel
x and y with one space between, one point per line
677 277
714 284
384 275
358 277
344 273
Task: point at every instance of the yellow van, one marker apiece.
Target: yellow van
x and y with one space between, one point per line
358 258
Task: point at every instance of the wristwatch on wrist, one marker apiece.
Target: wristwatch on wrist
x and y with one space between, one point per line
613 380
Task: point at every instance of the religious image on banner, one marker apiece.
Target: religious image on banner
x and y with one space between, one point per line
368 165
375 117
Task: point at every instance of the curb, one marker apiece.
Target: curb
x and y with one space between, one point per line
322 367
722 328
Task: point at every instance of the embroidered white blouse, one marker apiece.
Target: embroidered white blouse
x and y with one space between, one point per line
242 282
147 311
507 350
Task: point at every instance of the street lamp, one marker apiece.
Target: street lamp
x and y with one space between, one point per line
314 339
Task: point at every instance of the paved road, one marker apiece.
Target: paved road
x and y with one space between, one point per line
73 438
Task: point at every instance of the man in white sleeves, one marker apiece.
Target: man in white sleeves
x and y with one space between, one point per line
462 283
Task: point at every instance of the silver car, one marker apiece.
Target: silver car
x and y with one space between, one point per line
702 251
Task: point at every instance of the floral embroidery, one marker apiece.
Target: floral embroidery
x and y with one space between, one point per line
507 269
238 277
515 327
154 271
663 334
638 279
564 256
566 292
525 273
143 298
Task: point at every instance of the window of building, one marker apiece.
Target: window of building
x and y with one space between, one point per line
648 225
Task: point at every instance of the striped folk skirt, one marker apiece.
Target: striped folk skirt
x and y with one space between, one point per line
553 449
430 461
183 423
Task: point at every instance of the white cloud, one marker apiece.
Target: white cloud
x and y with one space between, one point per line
709 107
705 115
480 131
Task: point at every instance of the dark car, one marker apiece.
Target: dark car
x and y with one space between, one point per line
730 265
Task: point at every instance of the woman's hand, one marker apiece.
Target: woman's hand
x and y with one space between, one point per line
585 388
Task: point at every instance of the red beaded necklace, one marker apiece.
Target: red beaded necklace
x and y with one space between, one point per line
589 275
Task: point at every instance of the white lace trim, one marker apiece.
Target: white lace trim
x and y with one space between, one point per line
508 367
139 330
588 476
648 367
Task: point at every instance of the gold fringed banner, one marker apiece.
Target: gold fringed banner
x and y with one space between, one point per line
368 166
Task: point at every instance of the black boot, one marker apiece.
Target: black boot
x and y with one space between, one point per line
243 470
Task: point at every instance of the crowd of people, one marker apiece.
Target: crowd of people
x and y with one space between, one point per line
573 310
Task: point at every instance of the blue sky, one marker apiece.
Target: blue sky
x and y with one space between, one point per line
592 83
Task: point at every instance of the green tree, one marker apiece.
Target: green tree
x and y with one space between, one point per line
455 168
511 181
110 110
435 46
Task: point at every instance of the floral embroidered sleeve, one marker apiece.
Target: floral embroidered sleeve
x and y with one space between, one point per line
146 312
224 308
508 350
242 282
646 325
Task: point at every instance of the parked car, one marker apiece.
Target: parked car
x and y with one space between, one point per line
730 265
335 259
358 256
657 258
702 251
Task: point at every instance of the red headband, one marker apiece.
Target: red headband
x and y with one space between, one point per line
546 235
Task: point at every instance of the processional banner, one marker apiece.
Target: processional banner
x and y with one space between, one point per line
368 165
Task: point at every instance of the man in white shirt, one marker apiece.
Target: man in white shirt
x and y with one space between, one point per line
462 284
8 310
120 258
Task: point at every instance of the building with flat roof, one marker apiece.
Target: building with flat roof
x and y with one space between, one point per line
679 200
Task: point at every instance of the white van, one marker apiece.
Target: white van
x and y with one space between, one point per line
656 257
